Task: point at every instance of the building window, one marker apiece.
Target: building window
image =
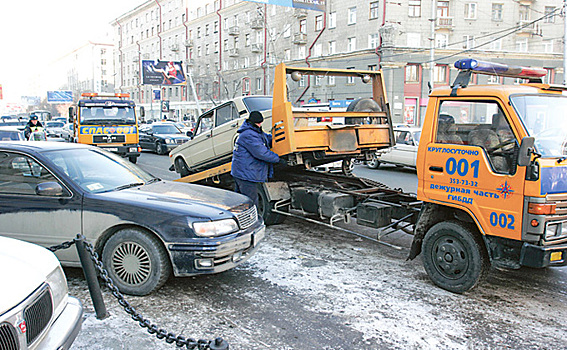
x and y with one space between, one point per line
246 63
549 18
468 41
372 67
442 9
332 47
287 31
440 74
441 40
287 55
246 86
207 29
198 32
351 16
497 12
373 40
318 79
302 81
301 52
496 45
247 40
411 73
524 13
548 46
318 50
331 80
351 44
216 27
414 8
373 10
414 39
549 76
259 84
350 79
318 23
470 10
332 20
522 45
303 26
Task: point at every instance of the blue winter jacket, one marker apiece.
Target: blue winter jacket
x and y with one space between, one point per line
252 159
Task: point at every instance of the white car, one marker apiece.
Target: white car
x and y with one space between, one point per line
403 153
35 310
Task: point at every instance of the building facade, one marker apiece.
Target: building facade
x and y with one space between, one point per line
230 47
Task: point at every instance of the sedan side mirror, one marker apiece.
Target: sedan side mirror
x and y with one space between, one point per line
49 189
190 134
526 150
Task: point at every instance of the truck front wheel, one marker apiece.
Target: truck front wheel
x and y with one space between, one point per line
454 257
265 209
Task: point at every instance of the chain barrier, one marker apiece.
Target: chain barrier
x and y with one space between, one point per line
160 333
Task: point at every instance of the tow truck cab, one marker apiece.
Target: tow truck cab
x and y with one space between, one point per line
492 173
107 121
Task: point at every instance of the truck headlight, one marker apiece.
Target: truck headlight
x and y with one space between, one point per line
215 228
58 284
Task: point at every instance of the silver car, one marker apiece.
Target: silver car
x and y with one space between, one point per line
404 152
215 134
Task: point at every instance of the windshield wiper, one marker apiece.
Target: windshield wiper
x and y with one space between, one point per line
123 187
155 179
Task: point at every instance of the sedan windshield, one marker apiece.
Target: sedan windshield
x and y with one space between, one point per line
98 171
166 129
545 118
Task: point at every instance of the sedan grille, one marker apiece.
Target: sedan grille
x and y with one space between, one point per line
247 218
8 337
38 315
180 141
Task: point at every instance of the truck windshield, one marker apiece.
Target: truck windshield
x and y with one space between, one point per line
545 118
103 115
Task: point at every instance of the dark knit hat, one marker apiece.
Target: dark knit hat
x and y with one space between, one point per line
255 117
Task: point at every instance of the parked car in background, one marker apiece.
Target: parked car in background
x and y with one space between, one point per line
143 228
216 132
403 153
161 137
56 131
36 311
60 119
11 133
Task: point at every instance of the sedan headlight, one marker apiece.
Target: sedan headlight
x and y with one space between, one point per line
169 141
58 284
215 228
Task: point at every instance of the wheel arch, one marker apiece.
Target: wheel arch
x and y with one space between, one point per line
105 236
433 213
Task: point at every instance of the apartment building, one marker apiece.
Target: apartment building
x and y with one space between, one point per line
230 47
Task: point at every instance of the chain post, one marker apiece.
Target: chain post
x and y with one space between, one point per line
218 344
91 277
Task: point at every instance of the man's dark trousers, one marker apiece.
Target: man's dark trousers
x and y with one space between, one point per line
247 188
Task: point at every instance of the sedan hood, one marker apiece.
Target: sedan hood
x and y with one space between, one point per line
23 268
173 136
184 198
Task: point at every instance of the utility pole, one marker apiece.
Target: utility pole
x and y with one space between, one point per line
432 41
564 42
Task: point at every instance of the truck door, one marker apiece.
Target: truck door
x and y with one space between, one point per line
470 163
227 123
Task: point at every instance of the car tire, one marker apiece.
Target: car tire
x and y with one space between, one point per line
161 149
181 167
454 256
361 105
374 163
347 166
136 261
265 208
133 159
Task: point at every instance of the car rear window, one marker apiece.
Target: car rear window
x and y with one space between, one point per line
258 103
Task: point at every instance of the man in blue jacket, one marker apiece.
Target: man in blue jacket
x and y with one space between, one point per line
252 160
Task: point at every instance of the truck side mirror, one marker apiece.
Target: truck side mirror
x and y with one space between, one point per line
142 112
71 114
526 150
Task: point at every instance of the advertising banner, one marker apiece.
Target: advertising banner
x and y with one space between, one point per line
162 73
157 95
317 5
62 96
31 100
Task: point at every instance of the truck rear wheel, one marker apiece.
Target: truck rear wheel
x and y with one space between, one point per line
454 257
265 209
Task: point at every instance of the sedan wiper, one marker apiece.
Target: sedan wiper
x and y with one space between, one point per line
155 179
123 187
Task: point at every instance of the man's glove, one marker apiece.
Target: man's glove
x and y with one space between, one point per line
282 161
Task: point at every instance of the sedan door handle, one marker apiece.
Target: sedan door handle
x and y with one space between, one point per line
234 125
436 168
208 135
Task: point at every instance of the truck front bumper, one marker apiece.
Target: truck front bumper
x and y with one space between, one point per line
123 151
543 256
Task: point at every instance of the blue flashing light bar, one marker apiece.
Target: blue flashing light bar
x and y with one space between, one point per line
504 70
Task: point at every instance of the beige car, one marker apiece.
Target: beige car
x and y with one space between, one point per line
216 132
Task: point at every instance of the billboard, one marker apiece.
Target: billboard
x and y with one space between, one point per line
31 100
317 5
62 96
162 73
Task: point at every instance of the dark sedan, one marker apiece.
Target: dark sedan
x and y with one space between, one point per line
144 228
161 137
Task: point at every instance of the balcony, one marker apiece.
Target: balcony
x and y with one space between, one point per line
444 23
300 13
234 31
188 43
190 62
526 27
300 38
174 47
258 47
233 52
257 23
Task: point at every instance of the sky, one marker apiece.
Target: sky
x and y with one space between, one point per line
34 33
